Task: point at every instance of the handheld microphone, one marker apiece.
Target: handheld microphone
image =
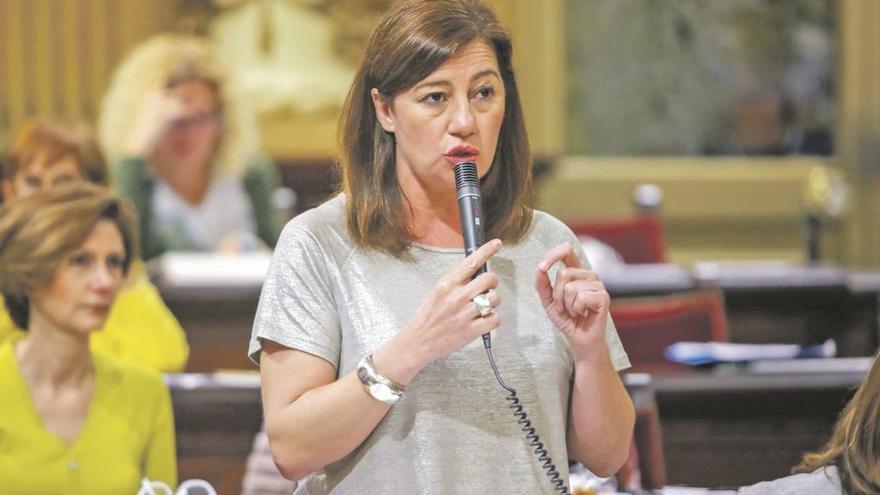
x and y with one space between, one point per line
467 189
470 212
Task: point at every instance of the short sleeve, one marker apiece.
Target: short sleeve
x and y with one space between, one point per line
619 358
297 308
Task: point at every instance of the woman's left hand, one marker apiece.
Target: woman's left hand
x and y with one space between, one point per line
577 303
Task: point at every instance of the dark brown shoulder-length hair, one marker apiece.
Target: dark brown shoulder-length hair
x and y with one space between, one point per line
413 39
39 231
854 447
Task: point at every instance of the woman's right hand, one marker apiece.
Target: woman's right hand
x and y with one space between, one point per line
448 319
160 109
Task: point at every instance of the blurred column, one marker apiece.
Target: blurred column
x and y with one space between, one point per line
56 56
858 126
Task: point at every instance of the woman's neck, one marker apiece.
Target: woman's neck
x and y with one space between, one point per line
434 220
54 357
190 183
432 211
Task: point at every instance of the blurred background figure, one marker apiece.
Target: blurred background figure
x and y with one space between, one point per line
183 149
850 461
74 420
140 327
261 476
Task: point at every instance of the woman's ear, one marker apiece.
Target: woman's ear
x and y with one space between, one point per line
383 110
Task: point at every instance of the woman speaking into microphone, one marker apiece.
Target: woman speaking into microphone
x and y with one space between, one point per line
374 375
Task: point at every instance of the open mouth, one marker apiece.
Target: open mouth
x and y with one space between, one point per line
462 153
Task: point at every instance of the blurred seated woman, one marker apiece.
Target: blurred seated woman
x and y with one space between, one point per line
183 150
73 420
850 461
140 327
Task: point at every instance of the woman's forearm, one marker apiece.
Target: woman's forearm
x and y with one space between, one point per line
322 426
601 417
328 422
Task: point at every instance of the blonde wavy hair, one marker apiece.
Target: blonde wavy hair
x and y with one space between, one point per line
160 62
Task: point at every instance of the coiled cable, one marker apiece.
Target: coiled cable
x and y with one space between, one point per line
522 419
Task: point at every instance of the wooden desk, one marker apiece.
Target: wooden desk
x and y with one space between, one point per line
216 420
719 429
218 323
764 303
647 279
864 288
772 302
784 303
737 427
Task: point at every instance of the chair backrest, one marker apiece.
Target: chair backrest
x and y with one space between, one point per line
647 325
639 239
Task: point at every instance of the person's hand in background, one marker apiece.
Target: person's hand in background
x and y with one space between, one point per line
261 477
159 111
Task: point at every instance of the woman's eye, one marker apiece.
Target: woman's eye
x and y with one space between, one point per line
82 259
115 262
485 92
434 98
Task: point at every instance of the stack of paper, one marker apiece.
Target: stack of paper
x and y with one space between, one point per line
697 353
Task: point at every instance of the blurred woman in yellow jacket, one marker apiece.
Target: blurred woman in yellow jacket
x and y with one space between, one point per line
73 420
140 326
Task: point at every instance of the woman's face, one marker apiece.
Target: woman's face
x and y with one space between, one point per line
40 175
190 140
84 285
452 115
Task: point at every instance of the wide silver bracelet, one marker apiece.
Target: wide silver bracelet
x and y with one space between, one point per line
376 385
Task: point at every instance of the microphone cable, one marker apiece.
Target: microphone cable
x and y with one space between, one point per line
467 188
522 419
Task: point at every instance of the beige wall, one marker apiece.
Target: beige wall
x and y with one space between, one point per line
859 127
56 57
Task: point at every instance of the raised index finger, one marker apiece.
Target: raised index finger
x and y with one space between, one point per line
468 266
564 253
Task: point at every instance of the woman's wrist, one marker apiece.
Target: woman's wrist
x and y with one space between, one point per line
398 360
593 355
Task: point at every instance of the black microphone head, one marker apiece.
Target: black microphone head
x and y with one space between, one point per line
466 175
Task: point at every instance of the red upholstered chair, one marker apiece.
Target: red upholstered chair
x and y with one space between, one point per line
638 239
647 325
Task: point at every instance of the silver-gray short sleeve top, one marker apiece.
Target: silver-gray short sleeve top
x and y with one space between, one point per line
452 432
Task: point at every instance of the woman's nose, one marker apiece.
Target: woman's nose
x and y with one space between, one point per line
103 279
463 121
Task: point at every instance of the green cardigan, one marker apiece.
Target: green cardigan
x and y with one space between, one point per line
133 179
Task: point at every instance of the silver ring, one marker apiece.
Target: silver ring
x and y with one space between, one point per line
483 305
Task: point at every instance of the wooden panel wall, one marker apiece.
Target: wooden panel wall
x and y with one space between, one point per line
56 56
859 126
